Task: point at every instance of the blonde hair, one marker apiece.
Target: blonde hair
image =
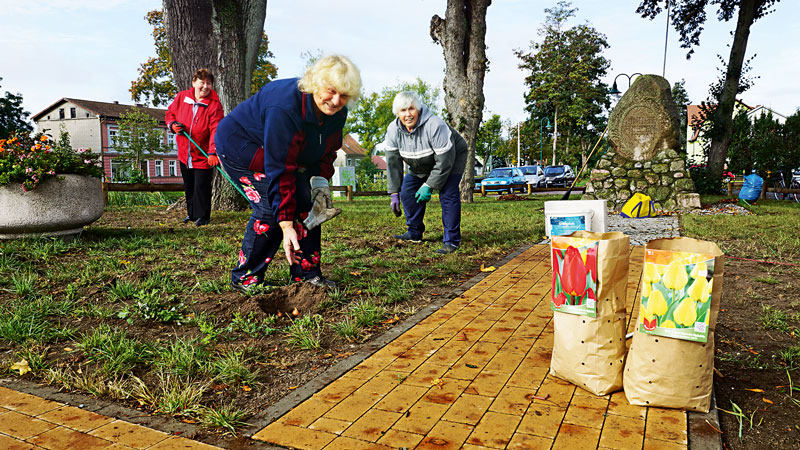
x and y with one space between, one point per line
405 99
332 71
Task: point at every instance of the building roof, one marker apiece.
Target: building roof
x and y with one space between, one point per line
379 161
696 117
351 147
104 109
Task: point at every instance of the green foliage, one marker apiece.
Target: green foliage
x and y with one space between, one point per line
490 137
156 83
13 119
227 417
305 332
113 349
32 159
233 367
681 98
369 118
704 182
139 139
765 144
564 78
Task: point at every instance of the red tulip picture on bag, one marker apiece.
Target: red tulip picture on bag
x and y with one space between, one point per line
574 275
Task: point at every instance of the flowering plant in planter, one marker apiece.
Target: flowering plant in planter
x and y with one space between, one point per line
30 160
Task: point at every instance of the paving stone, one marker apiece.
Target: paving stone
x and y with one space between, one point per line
574 437
400 439
9 443
446 436
23 426
61 438
75 418
622 432
494 430
128 434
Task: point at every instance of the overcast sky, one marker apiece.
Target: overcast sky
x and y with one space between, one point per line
90 49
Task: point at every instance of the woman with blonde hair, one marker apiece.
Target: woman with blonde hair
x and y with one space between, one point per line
279 146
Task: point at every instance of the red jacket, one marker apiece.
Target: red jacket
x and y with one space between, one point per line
201 126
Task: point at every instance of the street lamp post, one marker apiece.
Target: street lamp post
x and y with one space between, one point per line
614 90
541 136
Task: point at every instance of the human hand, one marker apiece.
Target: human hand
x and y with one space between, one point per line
291 246
423 194
213 160
395 204
177 127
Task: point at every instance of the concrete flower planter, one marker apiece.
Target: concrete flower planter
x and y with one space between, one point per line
60 206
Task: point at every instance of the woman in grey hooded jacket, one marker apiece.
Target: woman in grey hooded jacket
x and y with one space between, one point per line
436 156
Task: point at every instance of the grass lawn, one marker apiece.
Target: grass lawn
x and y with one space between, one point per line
139 310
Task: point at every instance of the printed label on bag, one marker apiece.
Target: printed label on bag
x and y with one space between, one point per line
574 275
676 294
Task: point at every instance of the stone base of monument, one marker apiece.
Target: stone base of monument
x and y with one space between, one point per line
643 133
664 178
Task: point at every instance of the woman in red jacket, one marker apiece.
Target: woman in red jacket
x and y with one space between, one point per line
196 111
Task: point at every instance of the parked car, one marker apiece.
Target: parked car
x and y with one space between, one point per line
534 175
501 179
561 175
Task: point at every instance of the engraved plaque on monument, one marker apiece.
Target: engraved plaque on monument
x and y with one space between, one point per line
645 121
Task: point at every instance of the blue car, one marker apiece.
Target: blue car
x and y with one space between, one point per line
502 178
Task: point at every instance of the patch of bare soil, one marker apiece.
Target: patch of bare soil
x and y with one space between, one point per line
750 372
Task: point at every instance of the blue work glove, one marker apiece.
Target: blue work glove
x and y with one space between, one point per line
395 204
423 194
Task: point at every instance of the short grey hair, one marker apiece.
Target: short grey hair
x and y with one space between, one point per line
405 99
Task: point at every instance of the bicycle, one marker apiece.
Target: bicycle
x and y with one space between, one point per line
778 181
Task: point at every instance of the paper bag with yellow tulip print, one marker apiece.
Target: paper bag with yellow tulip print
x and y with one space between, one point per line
671 360
590 278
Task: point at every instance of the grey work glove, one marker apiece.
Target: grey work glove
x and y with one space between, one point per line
322 209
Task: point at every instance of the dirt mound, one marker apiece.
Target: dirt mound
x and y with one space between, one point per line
304 297
512 197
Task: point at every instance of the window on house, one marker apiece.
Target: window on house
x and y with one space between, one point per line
60 113
120 171
173 168
171 140
112 137
349 162
73 113
159 170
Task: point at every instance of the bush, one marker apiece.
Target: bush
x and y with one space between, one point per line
704 183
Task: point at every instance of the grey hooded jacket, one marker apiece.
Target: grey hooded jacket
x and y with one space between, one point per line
433 150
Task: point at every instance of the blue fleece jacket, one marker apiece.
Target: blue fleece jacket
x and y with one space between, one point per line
281 120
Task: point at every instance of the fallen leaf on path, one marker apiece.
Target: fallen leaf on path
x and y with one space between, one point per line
67 349
218 387
461 337
488 269
713 427
537 397
755 390
766 400
247 388
355 273
21 366
391 320
438 382
291 388
471 366
718 373
188 421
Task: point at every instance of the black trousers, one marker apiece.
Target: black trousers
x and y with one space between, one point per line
197 187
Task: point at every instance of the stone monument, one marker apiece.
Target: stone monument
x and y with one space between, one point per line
643 135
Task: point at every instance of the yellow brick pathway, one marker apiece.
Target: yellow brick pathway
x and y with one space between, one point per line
30 422
472 376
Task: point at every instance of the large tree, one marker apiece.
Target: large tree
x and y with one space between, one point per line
12 116
565 69
224 36
688 18
156 85
372 114
462 35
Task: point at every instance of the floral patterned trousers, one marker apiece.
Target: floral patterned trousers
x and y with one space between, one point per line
263 237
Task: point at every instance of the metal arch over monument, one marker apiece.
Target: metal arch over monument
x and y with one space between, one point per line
643 134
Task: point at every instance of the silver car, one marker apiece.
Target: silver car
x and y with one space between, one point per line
534 175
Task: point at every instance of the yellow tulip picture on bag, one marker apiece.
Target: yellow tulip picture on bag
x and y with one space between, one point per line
676 293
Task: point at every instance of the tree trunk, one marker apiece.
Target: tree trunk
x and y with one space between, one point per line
724 110
223 36
462 35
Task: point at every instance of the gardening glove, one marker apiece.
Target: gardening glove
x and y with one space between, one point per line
213 160
423 194
291 246
177 127
322 209
395 204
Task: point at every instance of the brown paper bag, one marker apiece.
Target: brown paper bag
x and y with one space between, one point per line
589 351
671 360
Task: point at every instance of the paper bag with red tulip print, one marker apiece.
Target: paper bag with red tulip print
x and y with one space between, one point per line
590 279
671 360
